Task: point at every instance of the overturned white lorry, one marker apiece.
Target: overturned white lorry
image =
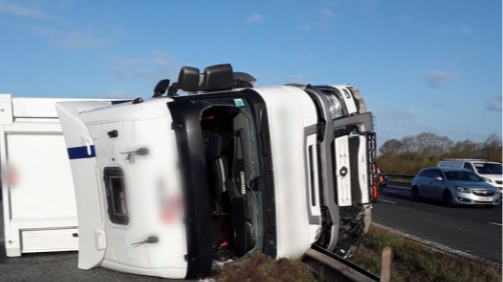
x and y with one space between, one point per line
174 185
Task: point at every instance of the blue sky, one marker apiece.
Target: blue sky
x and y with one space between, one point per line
422 65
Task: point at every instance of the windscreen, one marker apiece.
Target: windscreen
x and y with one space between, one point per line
488 168
233 109
459 175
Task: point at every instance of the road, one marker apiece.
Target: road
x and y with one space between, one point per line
475 230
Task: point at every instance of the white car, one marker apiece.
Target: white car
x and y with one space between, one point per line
489 171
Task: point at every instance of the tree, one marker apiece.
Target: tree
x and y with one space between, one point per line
491 148
391 146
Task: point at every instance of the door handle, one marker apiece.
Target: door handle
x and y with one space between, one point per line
88 143
100 240
88 146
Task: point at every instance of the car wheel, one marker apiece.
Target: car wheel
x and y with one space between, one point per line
416 196
447 199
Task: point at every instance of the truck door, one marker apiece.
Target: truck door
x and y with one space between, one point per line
81 151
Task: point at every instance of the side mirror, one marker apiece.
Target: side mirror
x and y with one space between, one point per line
218 77
189 79
161 88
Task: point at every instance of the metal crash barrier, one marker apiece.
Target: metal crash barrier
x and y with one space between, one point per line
332 268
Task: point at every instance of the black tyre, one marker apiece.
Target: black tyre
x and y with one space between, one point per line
447 199
416 196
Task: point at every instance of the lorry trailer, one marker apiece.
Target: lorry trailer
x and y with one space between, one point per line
39 206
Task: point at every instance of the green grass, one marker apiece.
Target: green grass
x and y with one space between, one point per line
399 180
414 262
259 267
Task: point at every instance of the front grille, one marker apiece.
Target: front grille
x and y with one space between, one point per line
483 193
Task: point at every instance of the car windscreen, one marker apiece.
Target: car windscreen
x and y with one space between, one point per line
459 175
488 168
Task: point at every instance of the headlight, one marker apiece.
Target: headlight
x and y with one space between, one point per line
335 106
488 179
462 189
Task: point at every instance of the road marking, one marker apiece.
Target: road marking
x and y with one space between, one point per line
386 190
401 193
398 187
386 201
495 223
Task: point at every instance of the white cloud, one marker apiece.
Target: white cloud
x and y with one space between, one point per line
73 39
65 5
160 66
21 10
323 23
446 29
466 30
298 78
255 18
495 104
305 27
119 94
438 78
463 29
326 13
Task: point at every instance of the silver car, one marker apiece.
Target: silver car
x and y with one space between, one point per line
454 186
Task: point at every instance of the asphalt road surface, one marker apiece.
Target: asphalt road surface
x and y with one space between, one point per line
474 230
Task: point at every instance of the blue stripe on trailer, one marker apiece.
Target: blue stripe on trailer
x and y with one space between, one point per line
81 152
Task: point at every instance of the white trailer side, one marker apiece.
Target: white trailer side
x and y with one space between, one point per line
37 187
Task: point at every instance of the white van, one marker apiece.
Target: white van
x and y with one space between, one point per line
489 171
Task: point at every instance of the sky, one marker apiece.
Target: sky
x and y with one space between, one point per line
421 65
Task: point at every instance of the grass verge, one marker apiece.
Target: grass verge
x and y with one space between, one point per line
415 262
412 262
399 180
259 267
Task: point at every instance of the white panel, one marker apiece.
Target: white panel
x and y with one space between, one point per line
50 240
43 186
363 170
290 110
6 109
42 107
343 171
87 189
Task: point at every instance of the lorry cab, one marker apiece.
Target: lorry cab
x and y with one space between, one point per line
174 186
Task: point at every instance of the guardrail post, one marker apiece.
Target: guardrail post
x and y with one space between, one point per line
386 258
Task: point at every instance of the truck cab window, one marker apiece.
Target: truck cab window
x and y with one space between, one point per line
116 195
